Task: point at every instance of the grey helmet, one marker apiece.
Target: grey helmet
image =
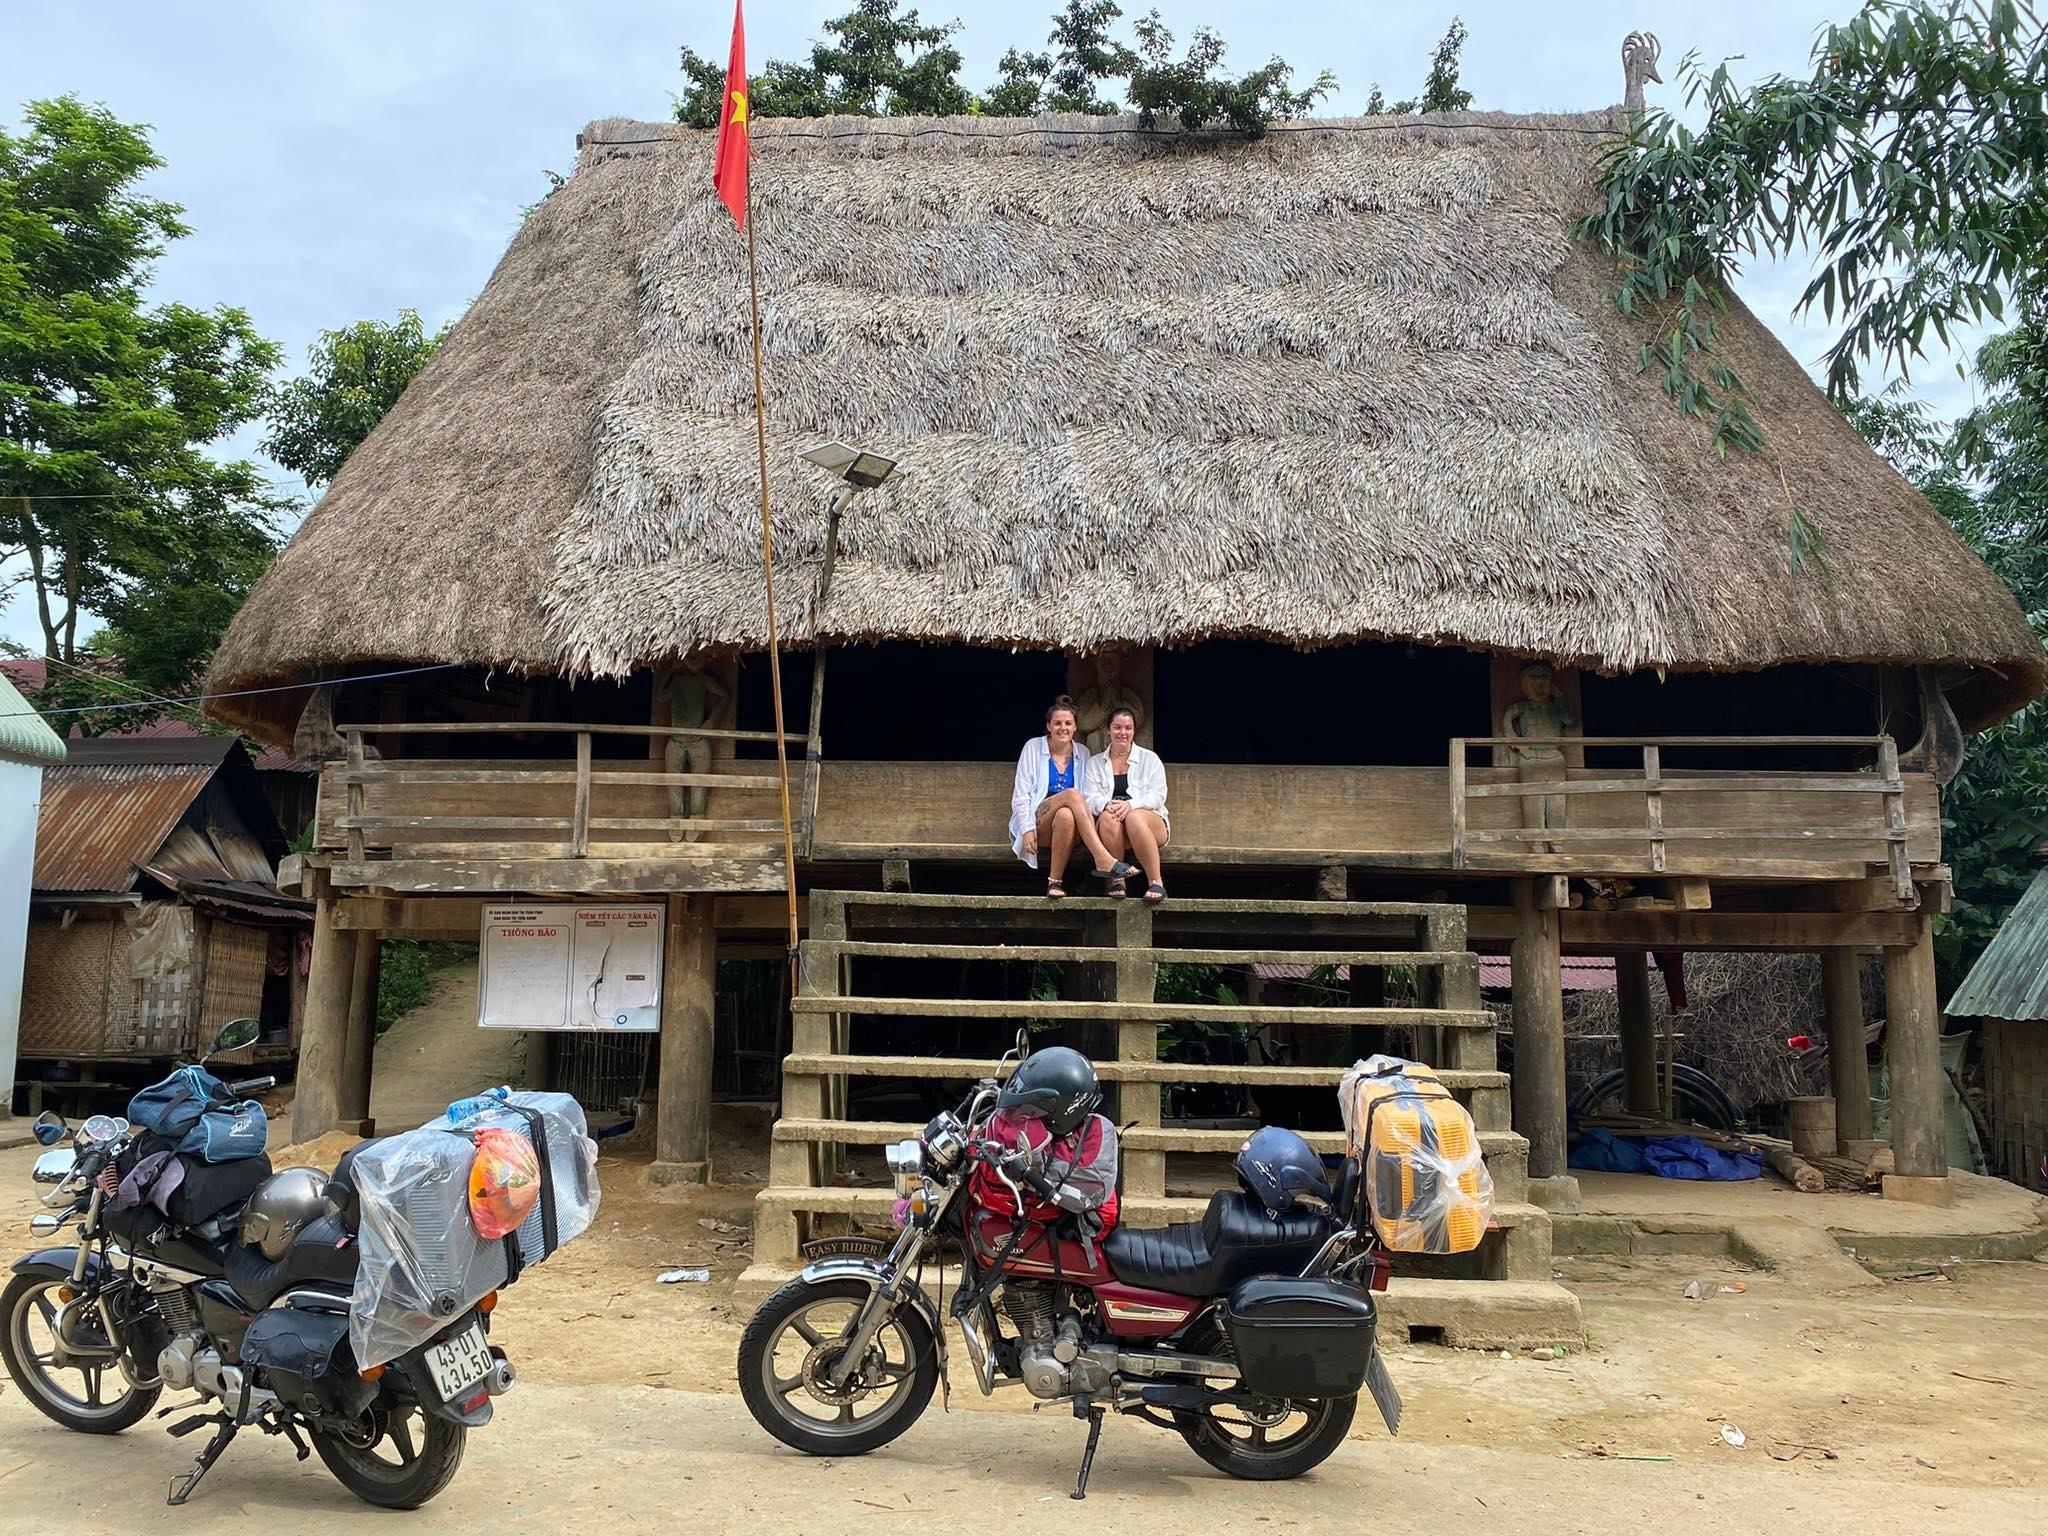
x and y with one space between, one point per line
1275 1166
1056 1085
283 1206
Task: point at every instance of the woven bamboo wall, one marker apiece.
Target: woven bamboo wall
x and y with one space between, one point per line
235 958
64 987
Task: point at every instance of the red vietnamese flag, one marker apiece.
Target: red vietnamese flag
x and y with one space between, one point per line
729 173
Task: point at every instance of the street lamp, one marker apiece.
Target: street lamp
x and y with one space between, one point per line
862 470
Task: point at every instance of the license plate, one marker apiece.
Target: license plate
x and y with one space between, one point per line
458 1364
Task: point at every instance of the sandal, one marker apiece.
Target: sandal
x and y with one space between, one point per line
1054 890
1155 893
1117 871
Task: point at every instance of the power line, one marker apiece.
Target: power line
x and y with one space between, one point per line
237 693
109 680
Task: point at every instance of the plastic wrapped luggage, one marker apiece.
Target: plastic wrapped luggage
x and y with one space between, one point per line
1423 1177
423 1262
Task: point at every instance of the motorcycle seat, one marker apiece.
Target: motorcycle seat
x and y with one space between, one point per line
321 1254
1234 1240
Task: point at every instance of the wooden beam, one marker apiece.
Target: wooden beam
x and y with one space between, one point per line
879 949
1691 893
612 877
1553 892
362 1028
1607 932
1152 1013
1333 883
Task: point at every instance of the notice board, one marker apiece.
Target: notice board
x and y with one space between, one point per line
571 965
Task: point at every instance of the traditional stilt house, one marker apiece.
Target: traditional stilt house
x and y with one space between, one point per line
1312 445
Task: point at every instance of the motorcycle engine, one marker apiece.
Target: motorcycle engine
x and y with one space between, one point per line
1050 1357
190 1361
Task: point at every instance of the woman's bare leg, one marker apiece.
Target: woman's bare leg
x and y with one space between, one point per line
1144 828
1062 840
1084 825
1111 830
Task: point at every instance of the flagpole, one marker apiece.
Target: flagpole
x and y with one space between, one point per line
768 571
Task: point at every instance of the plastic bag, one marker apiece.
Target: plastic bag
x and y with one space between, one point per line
423 1262
1424 1179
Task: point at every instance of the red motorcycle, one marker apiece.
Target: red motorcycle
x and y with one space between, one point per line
1249 1334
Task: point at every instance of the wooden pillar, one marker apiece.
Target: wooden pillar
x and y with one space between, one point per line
1539 1092
1638 1033
682 1123
1841 985
362 1030
323 1040
1138 1040
1913 1051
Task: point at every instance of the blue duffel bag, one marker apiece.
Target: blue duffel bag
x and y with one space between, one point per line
193 1111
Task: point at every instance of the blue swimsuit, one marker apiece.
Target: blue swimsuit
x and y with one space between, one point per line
1055 781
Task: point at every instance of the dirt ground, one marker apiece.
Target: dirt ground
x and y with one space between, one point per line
1926 1384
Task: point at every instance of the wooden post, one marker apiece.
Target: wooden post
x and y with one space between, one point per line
814 752
1136 982
362 1031
1841 985
1653 804
355 797
1458 754
1913 1051
579 826
1539 1091
682 1123
1638 1032
323 1040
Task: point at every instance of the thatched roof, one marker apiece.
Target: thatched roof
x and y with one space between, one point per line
1350 381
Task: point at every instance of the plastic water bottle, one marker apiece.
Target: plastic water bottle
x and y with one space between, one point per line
482 1103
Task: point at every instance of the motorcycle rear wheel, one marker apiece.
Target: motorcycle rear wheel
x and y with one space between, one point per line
1229 1441
29 1343
403 1457
799 1323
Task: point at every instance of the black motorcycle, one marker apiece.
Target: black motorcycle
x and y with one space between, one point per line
151 1299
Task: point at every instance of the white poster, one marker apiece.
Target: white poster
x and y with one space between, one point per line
571 966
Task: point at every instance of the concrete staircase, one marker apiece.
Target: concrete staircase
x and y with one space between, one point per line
1108 952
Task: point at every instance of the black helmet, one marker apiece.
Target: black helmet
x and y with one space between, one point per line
1055 1085
1276 1165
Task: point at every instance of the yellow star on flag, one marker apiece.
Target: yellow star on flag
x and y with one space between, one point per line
739 108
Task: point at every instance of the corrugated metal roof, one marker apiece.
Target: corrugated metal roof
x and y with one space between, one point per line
23 732
102 818
2010 979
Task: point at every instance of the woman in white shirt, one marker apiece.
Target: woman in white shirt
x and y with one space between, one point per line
1047 808
1126 793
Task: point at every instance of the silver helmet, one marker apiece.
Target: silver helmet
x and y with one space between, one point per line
282 1206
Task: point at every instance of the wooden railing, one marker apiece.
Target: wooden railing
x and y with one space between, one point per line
1750 831
361 773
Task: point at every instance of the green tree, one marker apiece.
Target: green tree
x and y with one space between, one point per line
1086 58
1191 91
1440 89
107 496
353 376
1909 158
875 61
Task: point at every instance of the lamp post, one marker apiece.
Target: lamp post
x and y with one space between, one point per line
858 470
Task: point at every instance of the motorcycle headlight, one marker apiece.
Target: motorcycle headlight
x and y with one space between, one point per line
906 1164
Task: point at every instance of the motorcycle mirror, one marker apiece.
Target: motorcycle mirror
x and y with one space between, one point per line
49 1128
235 1034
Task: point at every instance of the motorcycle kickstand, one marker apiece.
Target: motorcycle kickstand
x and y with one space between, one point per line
1095 1417
181 1487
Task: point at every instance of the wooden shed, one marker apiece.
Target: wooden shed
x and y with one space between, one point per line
156 916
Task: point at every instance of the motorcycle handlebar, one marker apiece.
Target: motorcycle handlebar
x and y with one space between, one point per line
252 1085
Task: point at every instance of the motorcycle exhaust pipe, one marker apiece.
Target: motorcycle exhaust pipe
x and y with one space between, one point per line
1166 1363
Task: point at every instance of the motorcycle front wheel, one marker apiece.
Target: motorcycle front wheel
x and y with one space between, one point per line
87 1393
398 1457
786 1359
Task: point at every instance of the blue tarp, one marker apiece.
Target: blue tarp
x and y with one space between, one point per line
1668 1157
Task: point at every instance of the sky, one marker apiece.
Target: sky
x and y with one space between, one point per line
344 161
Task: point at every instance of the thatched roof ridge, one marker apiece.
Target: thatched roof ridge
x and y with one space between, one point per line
1349 381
